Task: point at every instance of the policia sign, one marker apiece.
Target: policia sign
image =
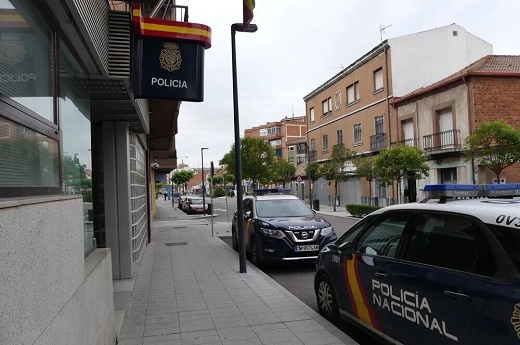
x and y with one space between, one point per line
166 69
167 58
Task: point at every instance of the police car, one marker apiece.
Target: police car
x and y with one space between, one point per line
442 271
281 227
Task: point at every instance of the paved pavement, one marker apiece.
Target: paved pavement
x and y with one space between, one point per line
188 290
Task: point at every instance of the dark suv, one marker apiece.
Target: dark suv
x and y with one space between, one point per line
281 227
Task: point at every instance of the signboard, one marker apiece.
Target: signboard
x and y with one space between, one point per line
299 179
167 69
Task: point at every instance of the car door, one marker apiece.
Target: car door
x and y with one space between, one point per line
367 273
440 287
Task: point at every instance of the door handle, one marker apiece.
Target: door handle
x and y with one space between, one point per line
381 275
460 297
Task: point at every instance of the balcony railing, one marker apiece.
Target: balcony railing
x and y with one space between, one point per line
408 142
301 159
442 141
377 142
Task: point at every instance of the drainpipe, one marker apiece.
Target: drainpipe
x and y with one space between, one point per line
388 109
470 126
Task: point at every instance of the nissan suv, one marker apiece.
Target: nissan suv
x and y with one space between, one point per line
281 227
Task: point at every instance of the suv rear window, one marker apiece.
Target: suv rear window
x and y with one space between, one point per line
509 238
282 208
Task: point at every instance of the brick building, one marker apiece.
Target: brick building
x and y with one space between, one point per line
438 118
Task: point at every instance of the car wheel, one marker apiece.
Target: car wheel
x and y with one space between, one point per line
326 298
234 239
255 256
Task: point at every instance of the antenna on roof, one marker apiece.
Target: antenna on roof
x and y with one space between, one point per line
382 27
292 106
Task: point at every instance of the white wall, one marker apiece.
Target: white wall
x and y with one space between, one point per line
50 294
426 57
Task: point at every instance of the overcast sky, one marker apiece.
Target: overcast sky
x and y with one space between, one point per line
299 45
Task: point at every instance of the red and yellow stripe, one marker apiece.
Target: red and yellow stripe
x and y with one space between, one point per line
154 27
10 18
360 304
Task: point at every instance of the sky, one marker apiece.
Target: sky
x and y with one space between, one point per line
299 45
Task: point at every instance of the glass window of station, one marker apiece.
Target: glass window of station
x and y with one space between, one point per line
44 112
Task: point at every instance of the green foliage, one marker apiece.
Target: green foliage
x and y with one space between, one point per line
219 191
181 177
496 144
313 171
358 210
257 157
399 161
217 180
284 171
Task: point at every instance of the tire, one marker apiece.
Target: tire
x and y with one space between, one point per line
234 239
255 256
327 299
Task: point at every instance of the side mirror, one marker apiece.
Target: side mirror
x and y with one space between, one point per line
247 215
346 249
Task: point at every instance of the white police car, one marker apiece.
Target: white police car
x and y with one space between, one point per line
281 227
443 272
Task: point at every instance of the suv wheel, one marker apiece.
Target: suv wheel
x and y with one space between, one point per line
255 256
234 239
326 298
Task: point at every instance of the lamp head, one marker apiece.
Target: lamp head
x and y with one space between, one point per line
240 27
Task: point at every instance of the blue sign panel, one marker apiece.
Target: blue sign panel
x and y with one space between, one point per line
166 69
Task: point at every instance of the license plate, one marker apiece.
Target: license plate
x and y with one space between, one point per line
307 248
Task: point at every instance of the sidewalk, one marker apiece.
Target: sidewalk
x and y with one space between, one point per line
188 290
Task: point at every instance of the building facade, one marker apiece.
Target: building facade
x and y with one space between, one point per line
68 108
439 117
354 109
279 133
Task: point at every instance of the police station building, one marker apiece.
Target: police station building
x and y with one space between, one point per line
90 92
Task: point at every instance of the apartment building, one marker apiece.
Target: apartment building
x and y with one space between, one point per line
353 108
279 133
439 117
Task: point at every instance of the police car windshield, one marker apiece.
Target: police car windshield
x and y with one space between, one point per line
282 208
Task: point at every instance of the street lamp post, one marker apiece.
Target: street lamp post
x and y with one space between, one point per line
203 184
238 159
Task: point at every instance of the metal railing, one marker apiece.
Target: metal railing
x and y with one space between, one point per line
377 142
442 141
408 142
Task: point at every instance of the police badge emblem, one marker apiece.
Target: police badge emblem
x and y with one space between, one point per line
170 57
515 320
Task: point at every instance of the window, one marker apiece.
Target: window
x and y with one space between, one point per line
274 130
325 143
382 237
325 107
379 124
408 133
358 138
337 100
450 241
329 100
313 145
311 115
448 175
339 136
263 132
378 79
353 93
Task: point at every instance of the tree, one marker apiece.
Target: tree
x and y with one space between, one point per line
257 159
181 177
496 144
284 171
399 161
365 167
313 173
334 169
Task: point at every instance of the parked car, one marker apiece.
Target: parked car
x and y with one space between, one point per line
281 227
180 201
442 271
195 205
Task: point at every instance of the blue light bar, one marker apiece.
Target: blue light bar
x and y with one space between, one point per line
471 190
272 191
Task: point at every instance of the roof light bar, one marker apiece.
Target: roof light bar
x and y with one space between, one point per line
436 191
262 191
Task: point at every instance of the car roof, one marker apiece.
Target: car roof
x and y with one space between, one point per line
488 210
274 197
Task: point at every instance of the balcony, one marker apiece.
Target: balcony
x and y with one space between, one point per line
377 142
408 142
447 141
